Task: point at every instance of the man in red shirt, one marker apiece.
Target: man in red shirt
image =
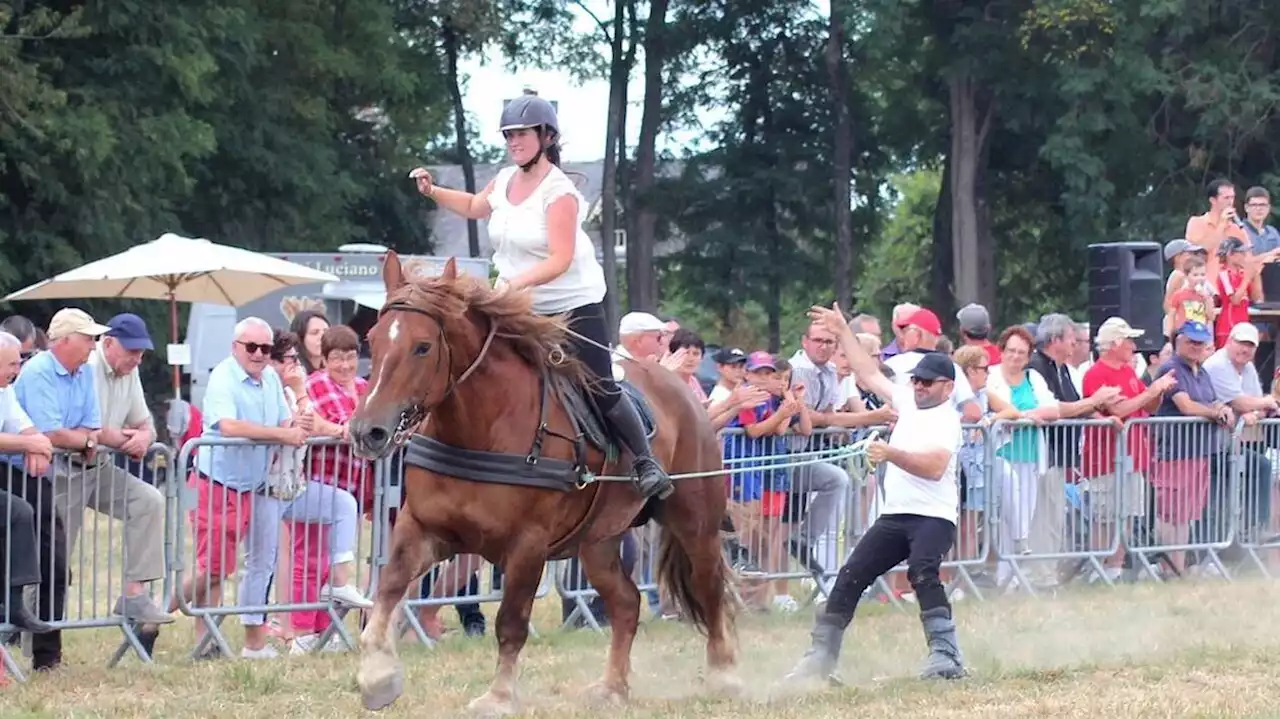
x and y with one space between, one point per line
1114 368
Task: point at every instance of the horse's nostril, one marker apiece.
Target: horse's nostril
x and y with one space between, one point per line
378 435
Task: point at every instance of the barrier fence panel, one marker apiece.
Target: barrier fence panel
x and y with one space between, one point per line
1259 455
87 536
1191 492
308 557
1060 502
580 604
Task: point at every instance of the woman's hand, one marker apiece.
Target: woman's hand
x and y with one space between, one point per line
426 186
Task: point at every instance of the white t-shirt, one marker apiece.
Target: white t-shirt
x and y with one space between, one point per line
903 364
917 430
848 391
13 419
518 234
719 393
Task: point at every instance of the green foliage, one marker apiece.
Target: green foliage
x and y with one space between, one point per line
897 262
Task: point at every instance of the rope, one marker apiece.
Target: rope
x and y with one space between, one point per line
856 452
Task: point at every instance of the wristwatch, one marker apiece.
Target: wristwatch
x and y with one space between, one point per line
89 443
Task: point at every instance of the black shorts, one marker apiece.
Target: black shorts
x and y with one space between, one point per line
795 507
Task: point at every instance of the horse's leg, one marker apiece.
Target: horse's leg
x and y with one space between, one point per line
381 676
703 575
711 576
522 572
603 565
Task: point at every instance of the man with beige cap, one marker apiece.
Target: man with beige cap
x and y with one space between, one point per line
58 390
1124 501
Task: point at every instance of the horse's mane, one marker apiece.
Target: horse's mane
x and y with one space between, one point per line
540 341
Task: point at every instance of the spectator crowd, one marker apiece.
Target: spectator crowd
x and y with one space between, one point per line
1045 406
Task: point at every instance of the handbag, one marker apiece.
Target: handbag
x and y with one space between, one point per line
286 479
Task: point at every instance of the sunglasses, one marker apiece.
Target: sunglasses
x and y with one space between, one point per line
255 348
926 383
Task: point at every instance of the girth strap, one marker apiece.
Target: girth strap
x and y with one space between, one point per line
492 467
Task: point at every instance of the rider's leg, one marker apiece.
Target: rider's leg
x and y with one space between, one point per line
622 416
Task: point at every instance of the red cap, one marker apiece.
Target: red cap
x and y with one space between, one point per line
925 320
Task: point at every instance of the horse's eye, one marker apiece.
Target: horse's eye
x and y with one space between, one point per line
422 349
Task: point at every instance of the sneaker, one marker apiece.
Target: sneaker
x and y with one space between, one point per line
141 610
306 644
346 594
266 652
786 604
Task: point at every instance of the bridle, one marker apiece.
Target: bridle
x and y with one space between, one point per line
414 414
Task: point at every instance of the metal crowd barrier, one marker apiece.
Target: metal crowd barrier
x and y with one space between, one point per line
1046 513
79 506
320 524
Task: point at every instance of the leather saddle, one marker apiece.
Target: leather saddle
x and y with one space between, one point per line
589 421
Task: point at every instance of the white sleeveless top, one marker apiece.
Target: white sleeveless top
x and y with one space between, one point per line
518 234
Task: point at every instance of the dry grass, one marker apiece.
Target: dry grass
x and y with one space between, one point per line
1194 649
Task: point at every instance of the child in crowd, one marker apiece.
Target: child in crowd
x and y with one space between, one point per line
1238 282
1193 301
756 497
1176 253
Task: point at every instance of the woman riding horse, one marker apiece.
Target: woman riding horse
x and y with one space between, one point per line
535 218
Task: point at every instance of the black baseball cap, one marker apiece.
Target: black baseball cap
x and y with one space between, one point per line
935 366
730 355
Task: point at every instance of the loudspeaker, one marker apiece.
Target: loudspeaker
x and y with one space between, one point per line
1126 279
1270 286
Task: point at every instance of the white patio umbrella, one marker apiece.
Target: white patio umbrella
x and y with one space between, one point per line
177 269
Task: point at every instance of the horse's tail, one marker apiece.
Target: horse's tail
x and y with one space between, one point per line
677 578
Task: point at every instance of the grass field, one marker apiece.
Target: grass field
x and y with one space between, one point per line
1190 649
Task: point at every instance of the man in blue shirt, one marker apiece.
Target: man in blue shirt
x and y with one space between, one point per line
59 391
243 399
1180 474
1263 238
56 390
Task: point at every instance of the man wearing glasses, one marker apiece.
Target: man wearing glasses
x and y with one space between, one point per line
917 521
244 398
1264 239
23 329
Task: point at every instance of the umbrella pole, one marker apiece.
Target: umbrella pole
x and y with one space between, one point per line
173 332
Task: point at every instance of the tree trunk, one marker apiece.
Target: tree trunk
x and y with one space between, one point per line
842 162
642 284
449 37
619 74
974 255
939 294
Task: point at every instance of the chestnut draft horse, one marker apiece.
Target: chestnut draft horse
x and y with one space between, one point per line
503 464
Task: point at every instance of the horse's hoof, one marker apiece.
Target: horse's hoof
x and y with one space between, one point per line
603 693
725 683
381 692
488 705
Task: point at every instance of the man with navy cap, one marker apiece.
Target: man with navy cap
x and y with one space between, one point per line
127 428
917 522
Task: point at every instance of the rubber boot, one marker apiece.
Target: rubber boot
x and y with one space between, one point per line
823 655
650 478
944 661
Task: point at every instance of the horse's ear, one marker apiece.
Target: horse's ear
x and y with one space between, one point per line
450 269
392 272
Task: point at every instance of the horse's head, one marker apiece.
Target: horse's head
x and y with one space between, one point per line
413 362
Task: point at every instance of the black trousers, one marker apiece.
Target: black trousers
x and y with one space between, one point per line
37 554
588 321
922 541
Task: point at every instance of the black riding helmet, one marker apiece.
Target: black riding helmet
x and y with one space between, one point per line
530 111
